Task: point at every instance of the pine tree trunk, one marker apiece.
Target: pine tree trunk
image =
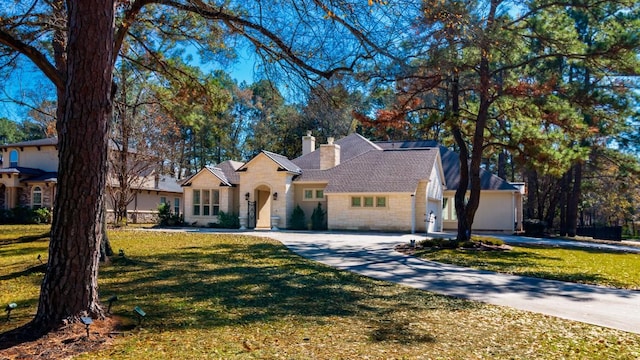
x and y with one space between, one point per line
70 286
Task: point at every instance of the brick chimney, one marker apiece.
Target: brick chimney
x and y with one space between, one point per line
308 143
329 155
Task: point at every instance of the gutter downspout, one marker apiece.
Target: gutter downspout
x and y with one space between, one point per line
515 211
413 213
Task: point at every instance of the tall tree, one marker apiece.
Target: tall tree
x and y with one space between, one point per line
74 44
70 286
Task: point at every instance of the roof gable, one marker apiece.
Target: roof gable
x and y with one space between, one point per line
284 164
225 172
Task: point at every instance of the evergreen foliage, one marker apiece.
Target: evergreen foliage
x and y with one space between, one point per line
318 218
228 220
298 219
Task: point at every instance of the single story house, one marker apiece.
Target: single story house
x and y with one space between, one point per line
360 184
28 178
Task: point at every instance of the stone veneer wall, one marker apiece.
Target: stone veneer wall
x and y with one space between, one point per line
396 216
136 217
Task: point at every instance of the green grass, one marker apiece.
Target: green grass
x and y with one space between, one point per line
238 297
588 266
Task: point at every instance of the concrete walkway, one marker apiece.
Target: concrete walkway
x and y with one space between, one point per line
373 255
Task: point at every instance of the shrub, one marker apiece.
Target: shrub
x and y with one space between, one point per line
228 221
6 216
534 227
164 214
317 218
42 216
297 220
23 215
438 242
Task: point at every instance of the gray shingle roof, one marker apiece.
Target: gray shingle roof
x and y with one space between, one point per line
45 177
350 147
229 168
451 165
377 171
168 184
21 170
39 142
283 161
225 171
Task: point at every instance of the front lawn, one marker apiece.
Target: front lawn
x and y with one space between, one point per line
238 297
588 266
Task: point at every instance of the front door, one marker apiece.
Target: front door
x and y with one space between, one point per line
251 214
263 209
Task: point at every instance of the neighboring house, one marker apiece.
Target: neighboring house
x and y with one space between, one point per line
28 178
362 185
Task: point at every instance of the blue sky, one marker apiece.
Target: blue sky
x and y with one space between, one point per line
28 83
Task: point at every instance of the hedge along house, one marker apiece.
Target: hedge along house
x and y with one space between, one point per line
359 184
28 178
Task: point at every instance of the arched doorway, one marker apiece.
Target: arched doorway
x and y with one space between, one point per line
263 207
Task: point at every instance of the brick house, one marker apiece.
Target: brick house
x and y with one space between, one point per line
28 178
362 185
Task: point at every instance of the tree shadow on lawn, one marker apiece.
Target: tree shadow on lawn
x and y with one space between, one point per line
231 284
36 269
513 261
29 238
32 251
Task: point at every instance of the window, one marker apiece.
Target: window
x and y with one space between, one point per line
313 194
13 158
176 206
308 194
163 200
368 201
356 201
196 202
215 202
36 197
206 203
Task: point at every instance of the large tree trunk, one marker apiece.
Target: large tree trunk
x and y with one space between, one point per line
466 211
70 285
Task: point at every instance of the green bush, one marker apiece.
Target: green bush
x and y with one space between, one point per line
23 215
438 242
534 227
164 214
298 219
228 221
42 216
317 218
6 216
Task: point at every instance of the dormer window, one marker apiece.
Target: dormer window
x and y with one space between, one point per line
13 158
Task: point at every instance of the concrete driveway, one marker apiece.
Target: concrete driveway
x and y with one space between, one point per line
373 255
